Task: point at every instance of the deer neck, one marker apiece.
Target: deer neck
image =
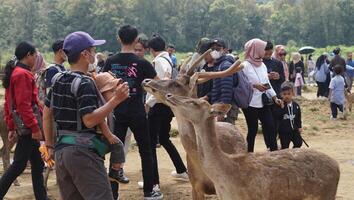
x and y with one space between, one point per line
207 142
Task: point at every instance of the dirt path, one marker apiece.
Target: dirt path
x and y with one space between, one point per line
335 138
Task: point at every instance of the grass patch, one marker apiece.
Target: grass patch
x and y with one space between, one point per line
174 132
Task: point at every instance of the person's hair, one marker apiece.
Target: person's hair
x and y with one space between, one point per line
336 51
74 57
57 45
310 57
127 34
269 46
21 51
320 61
143 40
338 69
286 86
230 50
157 43
171 46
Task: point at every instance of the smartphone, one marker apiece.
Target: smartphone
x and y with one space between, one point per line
267 85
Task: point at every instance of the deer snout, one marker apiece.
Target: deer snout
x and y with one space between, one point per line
146 81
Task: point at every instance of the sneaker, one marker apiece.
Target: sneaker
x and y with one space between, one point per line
182 176
156 187
118 176
141 184
153 196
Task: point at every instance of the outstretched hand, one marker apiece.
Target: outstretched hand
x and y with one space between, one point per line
121 92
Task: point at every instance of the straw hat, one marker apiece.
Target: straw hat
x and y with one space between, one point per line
106 81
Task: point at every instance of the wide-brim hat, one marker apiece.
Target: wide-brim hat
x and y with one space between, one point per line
106 81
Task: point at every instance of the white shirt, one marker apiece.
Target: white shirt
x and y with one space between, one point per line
163 69
257 75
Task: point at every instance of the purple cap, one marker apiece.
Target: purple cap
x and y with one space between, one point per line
78 41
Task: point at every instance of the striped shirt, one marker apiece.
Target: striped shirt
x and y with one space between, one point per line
65 105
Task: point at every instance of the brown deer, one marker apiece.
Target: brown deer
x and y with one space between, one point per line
228 135
287 174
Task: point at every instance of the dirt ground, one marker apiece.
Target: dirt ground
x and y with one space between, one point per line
335 138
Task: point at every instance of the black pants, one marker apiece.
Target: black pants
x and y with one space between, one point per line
139 126
275 121
290 136
322 90
26 149
264 114
160 117
334 108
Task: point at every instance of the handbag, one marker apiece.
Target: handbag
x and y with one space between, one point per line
21 128
266 100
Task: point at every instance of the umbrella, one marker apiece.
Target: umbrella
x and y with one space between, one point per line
306 50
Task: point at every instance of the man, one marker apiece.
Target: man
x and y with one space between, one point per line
350 61
58 62
276 77
79 165
275 69
171 50
131 113
209 66
222 91
337 60
160 115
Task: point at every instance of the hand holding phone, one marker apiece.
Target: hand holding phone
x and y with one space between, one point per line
266 85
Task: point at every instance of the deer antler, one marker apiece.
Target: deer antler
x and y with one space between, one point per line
183 69
196 62
206 76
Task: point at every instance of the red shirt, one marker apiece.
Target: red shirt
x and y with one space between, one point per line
24 93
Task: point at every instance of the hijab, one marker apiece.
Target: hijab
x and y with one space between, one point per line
254 51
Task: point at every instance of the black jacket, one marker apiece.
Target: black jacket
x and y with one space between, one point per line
205 88
274 65
284 117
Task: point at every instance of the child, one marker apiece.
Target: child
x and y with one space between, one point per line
289 117
336 92
106 84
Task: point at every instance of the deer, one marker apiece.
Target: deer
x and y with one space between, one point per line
228 135
6 144
289 174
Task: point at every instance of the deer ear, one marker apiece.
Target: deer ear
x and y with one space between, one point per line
219 109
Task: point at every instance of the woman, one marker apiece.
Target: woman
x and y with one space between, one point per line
310 69
280 54
256 71
321 73
296 72
21 102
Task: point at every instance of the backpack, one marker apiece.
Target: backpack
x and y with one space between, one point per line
41 81
175 72
242 90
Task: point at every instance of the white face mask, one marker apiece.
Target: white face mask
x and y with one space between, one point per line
216 54
92 66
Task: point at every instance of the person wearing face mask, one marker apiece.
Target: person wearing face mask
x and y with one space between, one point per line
22 111
222 90
78 149
58 62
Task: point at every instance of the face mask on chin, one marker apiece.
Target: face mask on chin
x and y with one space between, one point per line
92 65
216 54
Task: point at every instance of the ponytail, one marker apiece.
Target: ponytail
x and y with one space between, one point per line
9 68
22 50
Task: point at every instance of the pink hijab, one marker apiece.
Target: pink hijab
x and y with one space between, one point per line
39 65
254 51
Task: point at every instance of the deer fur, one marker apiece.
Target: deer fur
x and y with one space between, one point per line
289 174
228 135
349 100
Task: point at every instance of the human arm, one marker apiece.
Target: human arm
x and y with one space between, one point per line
24 90
106 132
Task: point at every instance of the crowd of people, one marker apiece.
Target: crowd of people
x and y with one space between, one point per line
96 105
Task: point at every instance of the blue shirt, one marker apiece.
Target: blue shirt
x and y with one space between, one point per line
337 86
174 60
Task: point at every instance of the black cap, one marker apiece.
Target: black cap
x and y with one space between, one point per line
218 42
171 46
336 51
